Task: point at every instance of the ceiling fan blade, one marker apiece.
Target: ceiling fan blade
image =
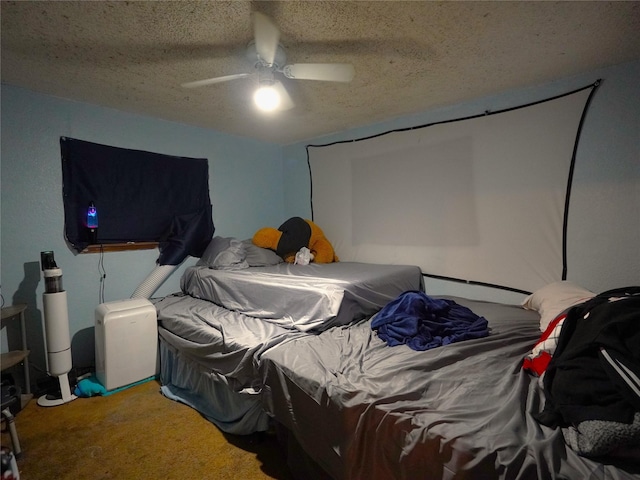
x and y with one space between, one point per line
266 35
329 72
286 103
211 81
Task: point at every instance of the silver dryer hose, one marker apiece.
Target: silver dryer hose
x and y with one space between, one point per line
153 281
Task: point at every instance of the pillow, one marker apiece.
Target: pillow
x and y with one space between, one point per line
260 257
224 254
552 299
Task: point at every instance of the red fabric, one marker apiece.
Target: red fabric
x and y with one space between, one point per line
552 326
537 362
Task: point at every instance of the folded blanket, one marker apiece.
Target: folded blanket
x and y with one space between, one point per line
422 322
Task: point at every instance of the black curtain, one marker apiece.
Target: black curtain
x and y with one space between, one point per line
139 196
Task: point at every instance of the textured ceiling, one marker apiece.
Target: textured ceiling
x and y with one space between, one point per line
408 56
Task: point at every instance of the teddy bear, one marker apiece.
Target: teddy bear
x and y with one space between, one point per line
291 236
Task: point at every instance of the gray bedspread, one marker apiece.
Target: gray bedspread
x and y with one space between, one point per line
364 410
210 352
208 360
225 342
303 297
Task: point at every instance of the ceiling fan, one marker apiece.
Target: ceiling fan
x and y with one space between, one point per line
268 59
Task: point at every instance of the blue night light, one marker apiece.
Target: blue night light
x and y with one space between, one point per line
92 216
92 223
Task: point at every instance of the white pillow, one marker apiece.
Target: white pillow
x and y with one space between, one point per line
554 298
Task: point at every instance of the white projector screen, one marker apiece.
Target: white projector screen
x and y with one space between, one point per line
480 199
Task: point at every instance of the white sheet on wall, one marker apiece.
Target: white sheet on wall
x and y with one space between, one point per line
479 199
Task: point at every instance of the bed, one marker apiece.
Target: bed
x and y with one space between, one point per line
238 302
351 407
254 343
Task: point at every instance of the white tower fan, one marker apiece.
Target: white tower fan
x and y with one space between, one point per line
56 322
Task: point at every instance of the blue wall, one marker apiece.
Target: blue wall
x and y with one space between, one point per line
245 186
604 224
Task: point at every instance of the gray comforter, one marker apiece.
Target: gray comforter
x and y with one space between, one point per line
364 410
303 297
218 339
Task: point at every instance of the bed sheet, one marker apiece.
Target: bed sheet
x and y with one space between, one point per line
222 341
303 297
186 380
361 409
208 360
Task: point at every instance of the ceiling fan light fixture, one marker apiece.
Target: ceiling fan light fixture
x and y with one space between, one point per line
267 98
269 60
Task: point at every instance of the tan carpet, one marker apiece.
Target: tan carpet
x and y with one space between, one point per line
137 434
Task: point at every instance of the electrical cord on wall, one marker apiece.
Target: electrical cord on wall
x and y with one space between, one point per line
103 275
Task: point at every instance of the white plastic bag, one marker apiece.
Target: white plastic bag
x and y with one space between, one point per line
303 257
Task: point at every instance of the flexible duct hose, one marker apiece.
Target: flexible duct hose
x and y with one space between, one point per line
153 281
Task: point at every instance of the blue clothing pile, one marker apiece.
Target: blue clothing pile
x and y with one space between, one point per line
422 322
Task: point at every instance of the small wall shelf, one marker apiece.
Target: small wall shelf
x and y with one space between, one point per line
14 357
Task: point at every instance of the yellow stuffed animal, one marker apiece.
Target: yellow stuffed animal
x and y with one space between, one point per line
294 234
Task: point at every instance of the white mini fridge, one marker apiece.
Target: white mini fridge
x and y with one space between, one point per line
126 335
